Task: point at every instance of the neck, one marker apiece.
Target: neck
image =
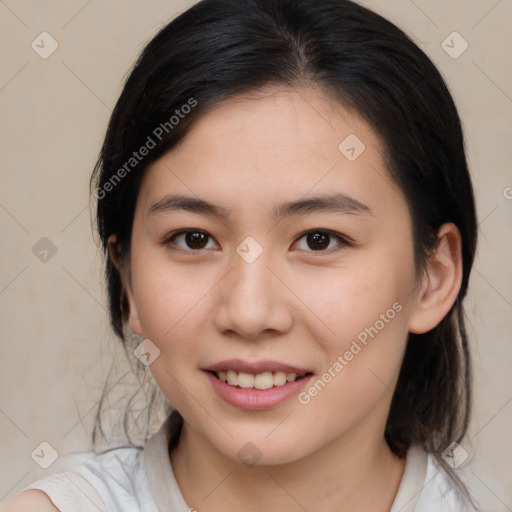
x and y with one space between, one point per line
354 472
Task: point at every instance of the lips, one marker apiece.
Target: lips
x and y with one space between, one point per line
259 393
258 384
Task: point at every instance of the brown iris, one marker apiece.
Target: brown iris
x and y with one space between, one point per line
196 240
318 240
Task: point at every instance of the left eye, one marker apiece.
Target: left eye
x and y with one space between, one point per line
320 241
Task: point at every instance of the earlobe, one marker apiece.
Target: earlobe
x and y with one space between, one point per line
123 267
442 280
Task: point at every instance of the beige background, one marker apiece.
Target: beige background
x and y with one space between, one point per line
56 344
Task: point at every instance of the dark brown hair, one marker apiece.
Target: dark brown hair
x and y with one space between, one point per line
220 48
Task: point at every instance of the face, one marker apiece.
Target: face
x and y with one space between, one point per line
290 249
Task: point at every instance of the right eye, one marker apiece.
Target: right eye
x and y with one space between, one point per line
194 240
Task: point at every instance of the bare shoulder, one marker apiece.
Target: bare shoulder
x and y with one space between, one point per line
31 500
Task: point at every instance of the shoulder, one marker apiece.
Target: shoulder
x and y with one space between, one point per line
117 468
32 500
428 485
442 493
94 482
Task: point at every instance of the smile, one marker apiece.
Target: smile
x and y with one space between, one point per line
256 385
264 380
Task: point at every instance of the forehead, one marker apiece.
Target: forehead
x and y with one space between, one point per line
251 151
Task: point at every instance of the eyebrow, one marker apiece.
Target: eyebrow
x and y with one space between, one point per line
335 203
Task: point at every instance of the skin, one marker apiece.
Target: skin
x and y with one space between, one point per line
292 304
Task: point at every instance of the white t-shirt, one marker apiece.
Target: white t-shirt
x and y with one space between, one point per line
130 479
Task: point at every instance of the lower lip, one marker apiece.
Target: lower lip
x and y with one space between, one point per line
255 399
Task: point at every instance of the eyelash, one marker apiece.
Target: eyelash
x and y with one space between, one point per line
343 240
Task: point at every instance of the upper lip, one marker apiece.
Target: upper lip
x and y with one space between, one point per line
239 365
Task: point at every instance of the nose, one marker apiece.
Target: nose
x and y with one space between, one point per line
252 301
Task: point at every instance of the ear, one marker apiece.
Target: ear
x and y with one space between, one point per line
122 264
441 281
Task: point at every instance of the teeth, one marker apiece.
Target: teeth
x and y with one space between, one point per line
264 380
246 380
279 378
232 378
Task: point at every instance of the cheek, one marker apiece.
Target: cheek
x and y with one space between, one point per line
349 302
171 306
169 301
163 293
362 358
366 308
